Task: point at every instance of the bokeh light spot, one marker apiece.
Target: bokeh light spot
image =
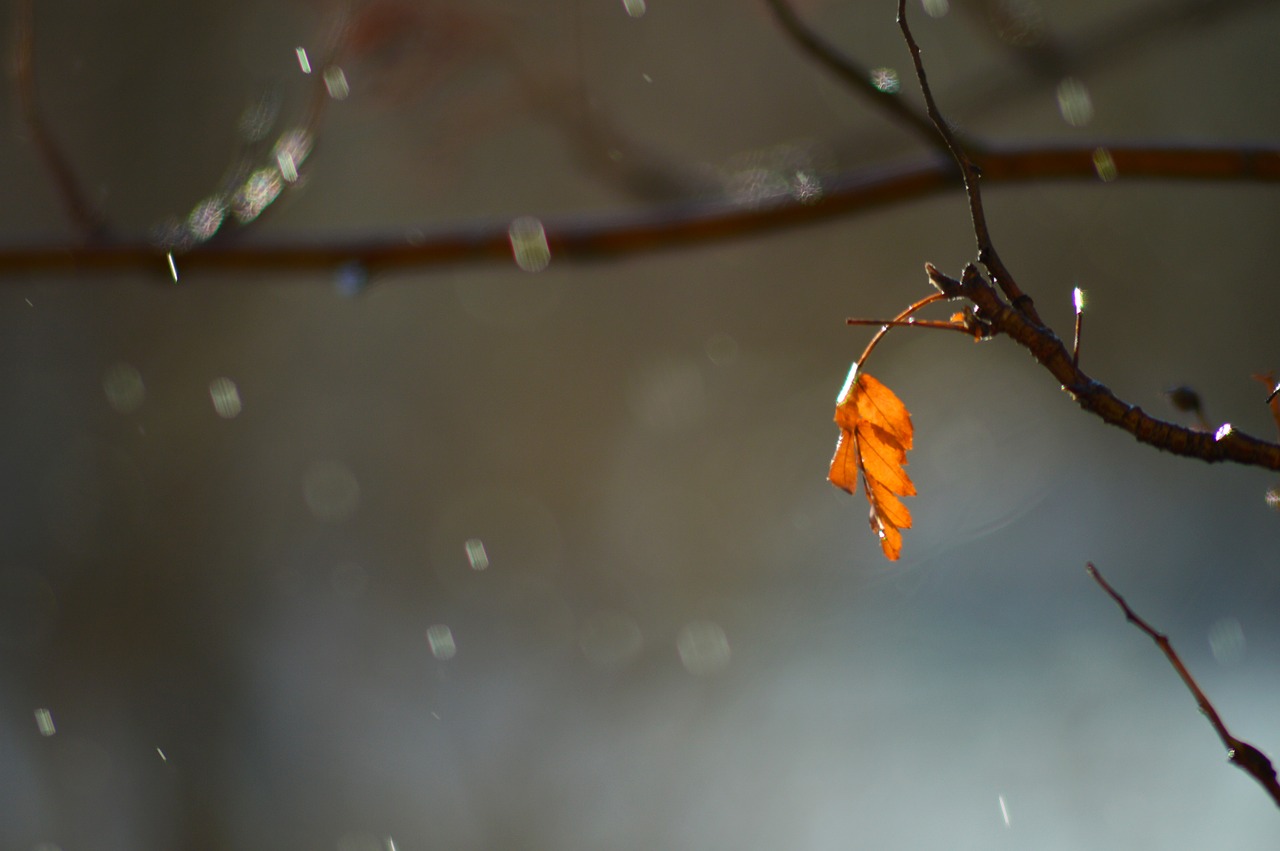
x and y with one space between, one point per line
936 8
330 491
44 722
476 555
124 388
886 80
440 640
703 647
635 8
256 194
335 82
206 217
1074 102
529 244
226 397
1226 641
303 61
1105 165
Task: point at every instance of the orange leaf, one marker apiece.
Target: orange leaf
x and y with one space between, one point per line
1273 401
875 434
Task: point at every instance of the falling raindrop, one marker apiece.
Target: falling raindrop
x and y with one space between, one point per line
225 396
440 640
529 244
476 555
124 388
335 82
44 722
1226 640
1074 102
703 647
1105 165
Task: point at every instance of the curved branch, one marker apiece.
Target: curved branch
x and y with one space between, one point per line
1241 754
86 219
998 317
987 254
853 75
661 228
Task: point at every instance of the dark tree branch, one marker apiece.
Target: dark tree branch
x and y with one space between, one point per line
674 226
996 316
987 255
84 217
854 75
1241 754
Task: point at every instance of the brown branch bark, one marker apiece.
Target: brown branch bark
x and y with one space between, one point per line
662 228
84 217
987 254
1239 753
998 317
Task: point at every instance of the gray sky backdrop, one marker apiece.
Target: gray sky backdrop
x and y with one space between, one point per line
262 623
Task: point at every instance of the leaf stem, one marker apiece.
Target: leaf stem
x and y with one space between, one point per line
899 320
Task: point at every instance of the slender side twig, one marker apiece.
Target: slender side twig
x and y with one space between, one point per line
903 318
660 228
1078 300
987 254
87 220
998 317
854 75
1239 753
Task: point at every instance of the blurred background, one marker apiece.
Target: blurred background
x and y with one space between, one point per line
480 557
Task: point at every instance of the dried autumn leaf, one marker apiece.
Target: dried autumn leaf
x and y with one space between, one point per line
875 434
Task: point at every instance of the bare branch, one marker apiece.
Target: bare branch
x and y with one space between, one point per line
854 75
661 228
1241 754
84 217
1226 444
987 255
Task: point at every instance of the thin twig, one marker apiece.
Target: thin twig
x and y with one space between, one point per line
1078 299
1241 754
987 254
87 220
666 227
1226 444
937 324
854 75
902 318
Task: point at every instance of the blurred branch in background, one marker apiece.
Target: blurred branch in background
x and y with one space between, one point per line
210 236
87 220
1241 754
601 237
